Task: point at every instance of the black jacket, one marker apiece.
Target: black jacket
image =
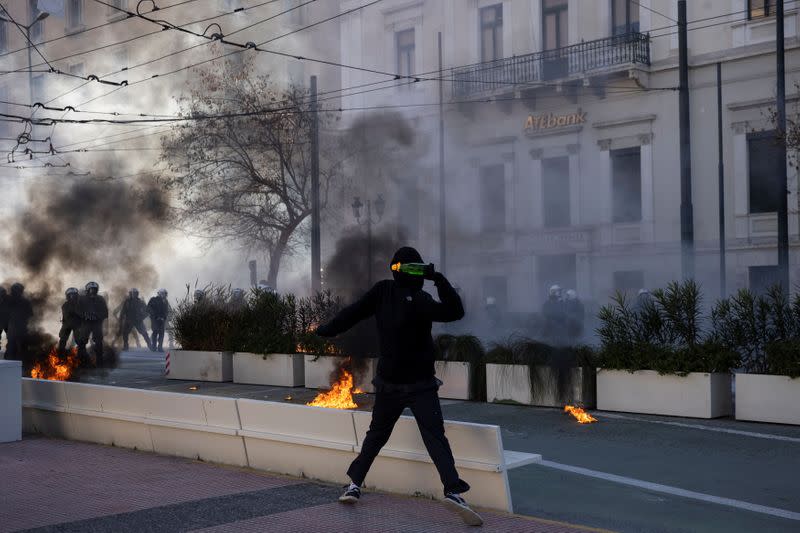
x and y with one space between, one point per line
404 314
70 313
158 308
93 308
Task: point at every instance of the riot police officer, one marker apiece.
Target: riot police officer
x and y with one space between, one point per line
70 320
20 312
93 311
158 309
132 315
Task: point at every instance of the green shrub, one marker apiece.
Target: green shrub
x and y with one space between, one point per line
762 329
783 358
664 334
205 325
265 323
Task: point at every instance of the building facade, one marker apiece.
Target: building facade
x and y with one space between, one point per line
562 160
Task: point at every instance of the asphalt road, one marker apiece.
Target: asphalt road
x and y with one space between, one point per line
627 472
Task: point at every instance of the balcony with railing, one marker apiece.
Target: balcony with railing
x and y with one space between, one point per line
584 59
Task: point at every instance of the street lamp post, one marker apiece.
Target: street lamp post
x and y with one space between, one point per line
380 206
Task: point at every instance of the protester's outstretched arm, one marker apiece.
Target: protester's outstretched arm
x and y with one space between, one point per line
352 314
449 307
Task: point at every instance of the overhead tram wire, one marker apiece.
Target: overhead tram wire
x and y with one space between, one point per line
85 30
154 60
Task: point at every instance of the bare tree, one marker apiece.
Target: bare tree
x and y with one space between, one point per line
245 175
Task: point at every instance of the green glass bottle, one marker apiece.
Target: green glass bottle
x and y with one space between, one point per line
414 269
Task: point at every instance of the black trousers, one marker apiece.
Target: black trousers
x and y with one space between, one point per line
428 413
158 332
126 331
67 328
93 329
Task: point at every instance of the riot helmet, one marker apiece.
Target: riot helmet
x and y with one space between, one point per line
92 288
571 294
71 293
134 293
17 289
162 293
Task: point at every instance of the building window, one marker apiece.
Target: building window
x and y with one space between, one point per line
760 8
555 24
624 16
3 37
36 29
491 19
557 270
626 184
628 280
555 192
763 278
77 69
763 152
495 292
74 13
37 88
405 45
493 198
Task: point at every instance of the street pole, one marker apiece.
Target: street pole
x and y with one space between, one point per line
723 289
442 203
369 244
316 265
687 215
783 204
30 67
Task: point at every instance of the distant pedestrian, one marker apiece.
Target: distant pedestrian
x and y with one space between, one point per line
132 316
575 315
70 320
94 312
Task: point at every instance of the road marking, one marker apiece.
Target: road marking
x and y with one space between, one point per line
705 428
675 491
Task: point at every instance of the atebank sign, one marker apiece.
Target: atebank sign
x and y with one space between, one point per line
550 121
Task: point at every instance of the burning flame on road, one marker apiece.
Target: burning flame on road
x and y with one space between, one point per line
55 368
340 396
580 415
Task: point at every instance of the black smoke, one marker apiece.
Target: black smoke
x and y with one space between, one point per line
77 231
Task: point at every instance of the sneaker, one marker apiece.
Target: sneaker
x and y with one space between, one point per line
458 505
351 494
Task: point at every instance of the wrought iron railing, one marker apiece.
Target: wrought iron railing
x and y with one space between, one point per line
551 65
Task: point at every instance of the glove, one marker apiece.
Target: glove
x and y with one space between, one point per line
436 277
325 330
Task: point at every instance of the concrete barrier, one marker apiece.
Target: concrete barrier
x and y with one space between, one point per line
456 379
201 366
297 440
280 370
10 401
767 398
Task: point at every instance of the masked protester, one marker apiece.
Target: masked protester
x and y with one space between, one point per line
4 311
20 312
406 377
158 309
94 311
70 320
132 315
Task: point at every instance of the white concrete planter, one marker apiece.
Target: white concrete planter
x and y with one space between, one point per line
10 401
697 395
281 370
764 398
512 384
318 373
200 366
455 376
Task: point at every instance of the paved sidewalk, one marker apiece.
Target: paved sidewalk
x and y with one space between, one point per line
55 485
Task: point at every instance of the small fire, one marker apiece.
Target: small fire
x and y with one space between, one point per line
580 415
329 349
340 396
55 368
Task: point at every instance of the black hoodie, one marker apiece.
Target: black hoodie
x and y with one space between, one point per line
404 314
